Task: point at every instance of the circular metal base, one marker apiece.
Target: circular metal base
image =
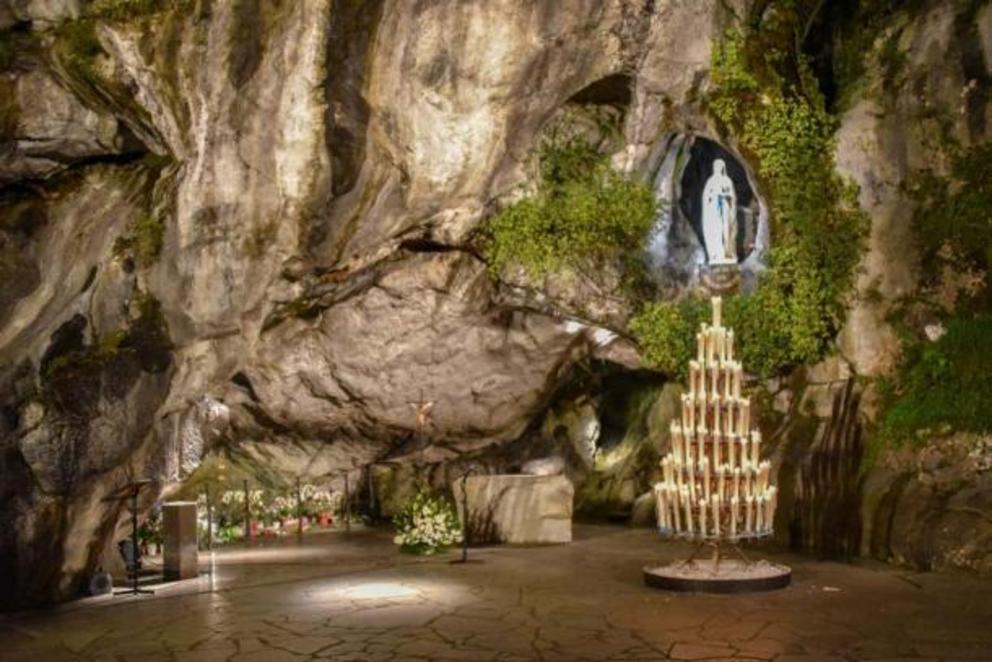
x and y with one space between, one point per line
730 576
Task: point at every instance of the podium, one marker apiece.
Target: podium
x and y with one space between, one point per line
179 554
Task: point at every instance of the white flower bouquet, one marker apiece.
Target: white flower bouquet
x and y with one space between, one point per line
427 524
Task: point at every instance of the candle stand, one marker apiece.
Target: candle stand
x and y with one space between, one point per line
715 489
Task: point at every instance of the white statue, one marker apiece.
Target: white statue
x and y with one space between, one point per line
720 216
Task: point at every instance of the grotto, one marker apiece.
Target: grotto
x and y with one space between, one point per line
499 330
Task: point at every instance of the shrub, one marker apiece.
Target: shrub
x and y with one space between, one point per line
583 213
943 384
427 524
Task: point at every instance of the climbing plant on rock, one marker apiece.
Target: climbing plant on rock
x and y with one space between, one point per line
765 97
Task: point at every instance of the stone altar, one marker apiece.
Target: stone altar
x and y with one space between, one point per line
179 554
519 509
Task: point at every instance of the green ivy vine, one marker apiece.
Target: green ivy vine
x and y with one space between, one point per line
765 96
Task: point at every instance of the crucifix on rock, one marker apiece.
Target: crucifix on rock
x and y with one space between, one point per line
423 409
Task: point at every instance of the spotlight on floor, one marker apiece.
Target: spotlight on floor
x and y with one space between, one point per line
379 590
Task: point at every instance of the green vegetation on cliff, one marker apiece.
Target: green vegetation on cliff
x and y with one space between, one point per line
944 385
766 98
583 212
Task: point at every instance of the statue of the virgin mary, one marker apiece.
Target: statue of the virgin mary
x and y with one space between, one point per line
720 216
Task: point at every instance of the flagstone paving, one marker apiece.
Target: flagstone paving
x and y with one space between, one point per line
353 597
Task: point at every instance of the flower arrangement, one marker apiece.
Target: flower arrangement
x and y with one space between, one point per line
318 502
427 524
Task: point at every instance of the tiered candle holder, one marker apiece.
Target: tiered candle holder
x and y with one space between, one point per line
715 489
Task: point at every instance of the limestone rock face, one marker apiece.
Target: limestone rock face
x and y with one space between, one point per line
518 509
292 189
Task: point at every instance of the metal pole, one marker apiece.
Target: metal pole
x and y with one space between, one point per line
465 517
210 520
299 509
247 513
347 505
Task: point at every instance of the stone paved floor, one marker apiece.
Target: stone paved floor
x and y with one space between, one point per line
355 598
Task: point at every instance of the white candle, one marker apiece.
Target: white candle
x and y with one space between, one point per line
715 505
745 415
704 466
693 378
772 502
731 443
719 482
733 517
701 346
715 381
661 507
737 482
755 450
759 515
742 443
717 442
688 514
717 304
674 498
717 407
748 472
730 345
702 517
738 378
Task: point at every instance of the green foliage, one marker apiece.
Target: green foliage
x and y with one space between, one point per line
818 230
943 385
584 212
124 10
77 47
143 240
666 332
952 217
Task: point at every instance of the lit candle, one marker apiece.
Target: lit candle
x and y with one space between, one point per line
687 423
704 466
688 513
763 469
702 517
772 501
661 506
715 505
733 517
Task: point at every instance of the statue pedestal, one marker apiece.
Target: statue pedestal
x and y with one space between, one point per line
518 509
180 555
721 278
